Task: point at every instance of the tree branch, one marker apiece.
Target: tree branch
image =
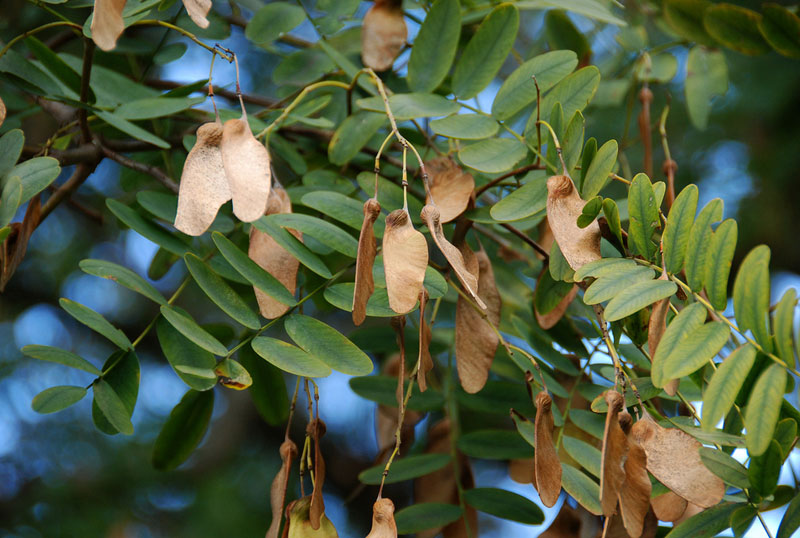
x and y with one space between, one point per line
82 171
227 94
536 246
153 171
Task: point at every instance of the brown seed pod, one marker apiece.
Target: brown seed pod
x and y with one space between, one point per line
634 495
615 449
383 34
450 186
573 523
424 359
273 258
405 258
107 24
3 111
668 506
468 279
204 186
316 429
247 166
198 10
277 492
673 458
522 471
548 320
564 205
299 525
691 510
547 464
476 341
655 330
383 525
615 527
364 285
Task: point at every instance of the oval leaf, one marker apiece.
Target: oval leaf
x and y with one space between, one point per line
184 429
57 398
289 358
328 345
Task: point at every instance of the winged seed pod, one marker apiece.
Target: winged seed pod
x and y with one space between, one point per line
673 458
204 186
247 165
316 429
523 471
273 258
669 506
564 205
405 257
573 523
277 492
299 526
364 285
198 10
3 111
383 525
655 330
383 34
476 341
634 495
615 449
107 24
451 187
546 462
424 359
550 319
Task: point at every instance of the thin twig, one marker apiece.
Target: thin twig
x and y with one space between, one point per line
522 235
150 170
495 181
86 73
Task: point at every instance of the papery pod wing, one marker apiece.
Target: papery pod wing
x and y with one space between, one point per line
634 495
299 525
383 525
364 284
522 471
451 187
691 510
277 492
3 111
573 523
405 257
615 449
316 429
247 166
548 320
107 24
424 359
669 506
198 10
564 205
655 330
614 527
547 464
383 34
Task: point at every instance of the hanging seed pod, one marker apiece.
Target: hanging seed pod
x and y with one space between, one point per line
673 458
476 341
277 492
691 510
3 111
430 214
383 34
107 24
547 464
634 495
615 528
316 429
204 186
198 10
548 320
615 448
298 523
573 523
522 471
405 258
364 285
383 525
450 186
247 165
655 330
273 258
668 506
424 359
564 205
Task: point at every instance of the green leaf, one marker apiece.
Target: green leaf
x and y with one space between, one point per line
607 287
408 106
493 155
763 408
268 390
290 358
679 225
504 504
328 345
791 519
593 9
574 93
421 516
96 322
707 523
638 296
10 200
643 216
341 296
785 433
497 397
10 149
155 107
353 134
706 76
524 202
721 391
599 169
272 21
781 28
233 375
765 469
688 319
191 330
323 231
57 398
590 211
381 389
735 27
661 68
590 422
193 364
686 18
56 66
184 429
572 140
221 293
342 208
406 468
604 267
559 268
783 326
435 46
518 91
494 445
718 263
486 52
123 276
751 295
147 228
724 466
700 243
562 33
694 350
582 488
549 293
131 129
36 175
294 246
112 407
587 455
60 356
465 126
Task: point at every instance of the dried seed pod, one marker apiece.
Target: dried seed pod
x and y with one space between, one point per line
655 330
383 34
549 319
523 471
198 10
634 495
3 111
316 429
277 492
669 506
615 449
573 523
273 258
547 464
424 359
383 525
468 279
615 527
107 24
691 510
364 285
451 187
298 523
476 341
247 166
564 205
405 258
204 186
673 458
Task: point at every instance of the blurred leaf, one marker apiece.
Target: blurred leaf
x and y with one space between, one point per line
131 129
11 144
419 517
504 504
435 46
353 134
55 65
147 228
686 18
268 390
494 445
60 356
10 200
328 345
184 429
561 34
57 398
765 469
781 28
791 519
142 109
706 76
405 468
381 389
658 68
593 9
735 27
783 326
272 21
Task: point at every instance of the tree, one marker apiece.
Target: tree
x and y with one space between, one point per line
516 284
